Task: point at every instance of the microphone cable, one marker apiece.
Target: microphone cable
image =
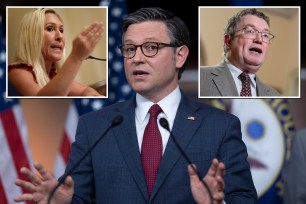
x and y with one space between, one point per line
116 121
164 123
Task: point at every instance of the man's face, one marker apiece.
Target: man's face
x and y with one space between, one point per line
247 53
152 77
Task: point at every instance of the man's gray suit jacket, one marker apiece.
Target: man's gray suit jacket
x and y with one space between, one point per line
218 81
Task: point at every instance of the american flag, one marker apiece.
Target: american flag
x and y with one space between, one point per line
14 147
118 87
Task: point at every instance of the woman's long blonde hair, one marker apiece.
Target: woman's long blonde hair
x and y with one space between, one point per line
30 42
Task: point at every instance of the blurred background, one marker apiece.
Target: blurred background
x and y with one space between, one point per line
44 128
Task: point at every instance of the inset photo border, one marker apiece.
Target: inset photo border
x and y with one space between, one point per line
93 71
280 69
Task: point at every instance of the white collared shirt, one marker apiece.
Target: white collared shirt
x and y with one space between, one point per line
169 105
235 71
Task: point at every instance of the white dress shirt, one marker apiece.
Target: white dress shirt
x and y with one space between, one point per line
169 105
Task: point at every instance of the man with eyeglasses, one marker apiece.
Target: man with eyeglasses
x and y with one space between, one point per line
138 161
247 39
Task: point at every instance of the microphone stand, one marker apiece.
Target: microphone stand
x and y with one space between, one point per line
116 121
164 123
95 58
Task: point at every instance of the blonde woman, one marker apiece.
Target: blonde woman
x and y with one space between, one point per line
40 47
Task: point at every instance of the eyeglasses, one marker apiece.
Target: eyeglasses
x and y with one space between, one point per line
149 49
252 33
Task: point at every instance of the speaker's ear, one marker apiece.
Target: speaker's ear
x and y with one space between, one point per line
227 40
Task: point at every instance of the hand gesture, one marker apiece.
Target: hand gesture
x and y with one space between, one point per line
41 186
87 40
215 181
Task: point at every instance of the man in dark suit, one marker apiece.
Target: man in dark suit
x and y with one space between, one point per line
155 50
246 41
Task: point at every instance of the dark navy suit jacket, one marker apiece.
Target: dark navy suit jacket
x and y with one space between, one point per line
112 173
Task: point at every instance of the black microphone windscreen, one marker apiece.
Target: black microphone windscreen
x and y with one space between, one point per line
164 123
117 120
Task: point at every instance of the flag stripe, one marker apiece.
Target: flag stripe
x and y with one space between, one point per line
65 149
71 122
17 110
8 172
68 137
59 166
2 194
15 142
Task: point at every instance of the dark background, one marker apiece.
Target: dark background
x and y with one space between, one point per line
187 11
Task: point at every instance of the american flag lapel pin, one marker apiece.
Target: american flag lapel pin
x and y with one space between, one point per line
191 118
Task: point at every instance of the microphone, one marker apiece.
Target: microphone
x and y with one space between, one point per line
164 123
115 122
95 58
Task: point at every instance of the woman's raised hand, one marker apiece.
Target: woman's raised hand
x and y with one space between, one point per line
87 40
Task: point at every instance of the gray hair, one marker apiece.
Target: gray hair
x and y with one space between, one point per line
230 28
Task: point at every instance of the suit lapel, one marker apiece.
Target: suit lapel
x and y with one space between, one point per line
261 89
224 80
183 130
126 138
